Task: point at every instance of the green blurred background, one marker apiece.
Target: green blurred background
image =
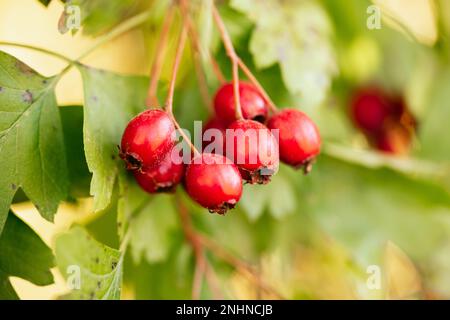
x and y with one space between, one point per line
310 237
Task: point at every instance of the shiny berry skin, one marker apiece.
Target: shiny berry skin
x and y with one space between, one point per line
253 105
163 177
254 150
370 109
210 137
299 139
214 182
146 139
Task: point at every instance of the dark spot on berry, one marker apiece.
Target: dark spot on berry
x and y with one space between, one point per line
13 186
27 96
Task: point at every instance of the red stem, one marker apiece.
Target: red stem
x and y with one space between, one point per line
155 73
234 60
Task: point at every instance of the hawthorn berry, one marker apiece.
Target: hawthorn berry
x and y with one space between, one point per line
146 139
217 137
370 108
214 182
163 177
253 104
254 150
299 139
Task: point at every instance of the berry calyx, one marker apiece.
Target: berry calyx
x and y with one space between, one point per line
253 104
161 178
299 139
146 139
214 182
254 150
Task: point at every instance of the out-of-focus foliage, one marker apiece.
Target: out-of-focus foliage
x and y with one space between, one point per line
311 236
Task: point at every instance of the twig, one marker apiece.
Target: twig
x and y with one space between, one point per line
169 101
233 57
197 44
155 73
200 242
31 47
256 83
240 266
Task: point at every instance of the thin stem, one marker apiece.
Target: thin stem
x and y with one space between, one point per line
256 83
240 266
155 73
169 101
176 65
233 57
119 30
27 46
197 44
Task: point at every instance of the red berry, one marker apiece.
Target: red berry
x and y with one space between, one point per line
214 182
146 139
370 109
214 138
163 177
254 150
253 104
299 138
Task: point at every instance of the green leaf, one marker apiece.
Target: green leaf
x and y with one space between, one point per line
278 197
433 134
111 100
100 267
31 140
364 208
79 175
152 230
22 254
296 35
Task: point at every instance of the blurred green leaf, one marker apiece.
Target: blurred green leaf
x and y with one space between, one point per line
152 230
295 34
22 254
111 100
31 139
364 208
100 267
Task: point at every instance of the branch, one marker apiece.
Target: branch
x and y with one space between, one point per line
201 242
233 57
169 101
256 83
196 41
155 73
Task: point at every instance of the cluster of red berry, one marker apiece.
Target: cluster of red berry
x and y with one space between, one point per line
212 179
384 119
